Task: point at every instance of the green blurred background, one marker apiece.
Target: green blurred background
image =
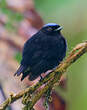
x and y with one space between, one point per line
72 15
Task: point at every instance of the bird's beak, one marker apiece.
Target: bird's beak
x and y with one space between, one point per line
59 28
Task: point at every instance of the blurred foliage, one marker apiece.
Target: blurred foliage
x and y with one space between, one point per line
72 15
13 17
18 57
3 3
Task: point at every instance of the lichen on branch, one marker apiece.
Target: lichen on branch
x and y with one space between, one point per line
49 80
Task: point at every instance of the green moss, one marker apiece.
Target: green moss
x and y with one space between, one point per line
18 57
13 17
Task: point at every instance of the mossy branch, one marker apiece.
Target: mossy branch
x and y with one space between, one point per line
49 80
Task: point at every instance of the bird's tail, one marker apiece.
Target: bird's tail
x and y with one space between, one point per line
20 70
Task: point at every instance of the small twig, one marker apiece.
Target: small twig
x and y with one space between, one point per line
50 79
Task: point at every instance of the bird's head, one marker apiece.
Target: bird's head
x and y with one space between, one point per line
51 27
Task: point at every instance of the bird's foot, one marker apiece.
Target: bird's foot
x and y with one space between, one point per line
41 78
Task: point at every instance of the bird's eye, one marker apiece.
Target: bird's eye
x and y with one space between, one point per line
49 29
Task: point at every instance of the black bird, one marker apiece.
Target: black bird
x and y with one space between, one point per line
42 52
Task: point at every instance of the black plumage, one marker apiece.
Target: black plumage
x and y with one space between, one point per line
43 51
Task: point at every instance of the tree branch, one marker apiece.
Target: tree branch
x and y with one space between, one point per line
49 80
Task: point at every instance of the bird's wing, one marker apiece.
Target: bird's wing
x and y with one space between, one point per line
32 49
29 45
38 46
